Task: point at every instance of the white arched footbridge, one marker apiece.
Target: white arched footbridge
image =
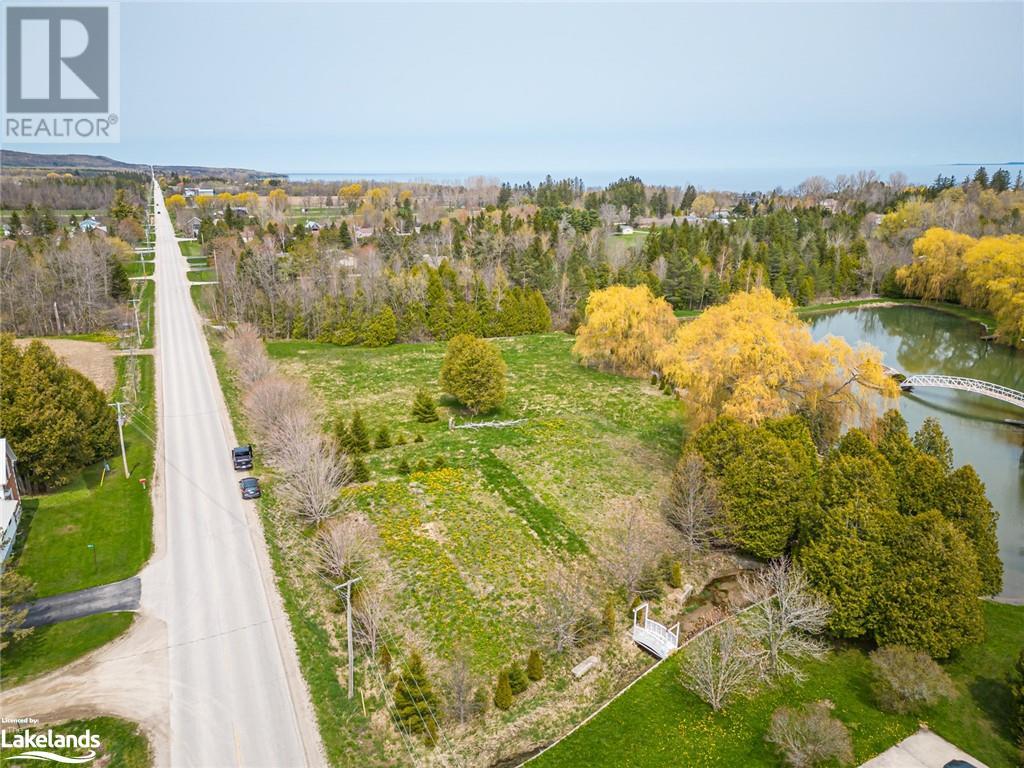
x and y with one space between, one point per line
964 384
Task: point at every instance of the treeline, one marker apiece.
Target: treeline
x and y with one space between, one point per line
56 419
800 254
985 273
69 192
899 543
62 284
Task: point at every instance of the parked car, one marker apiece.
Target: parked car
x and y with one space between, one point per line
250 488
241 457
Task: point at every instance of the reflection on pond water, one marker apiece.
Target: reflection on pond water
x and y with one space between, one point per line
916 340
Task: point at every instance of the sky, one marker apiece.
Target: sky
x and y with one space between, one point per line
498 87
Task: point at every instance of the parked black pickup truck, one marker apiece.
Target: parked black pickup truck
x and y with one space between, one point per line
241 457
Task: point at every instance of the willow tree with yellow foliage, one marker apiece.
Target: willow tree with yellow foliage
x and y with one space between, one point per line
986 273
752 358
623 330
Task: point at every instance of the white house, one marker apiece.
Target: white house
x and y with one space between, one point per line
625 229
88 224
312 226
10 503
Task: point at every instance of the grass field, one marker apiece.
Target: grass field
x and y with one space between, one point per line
115 516
122 744
201 275
58 644
483 530
657 722
191 249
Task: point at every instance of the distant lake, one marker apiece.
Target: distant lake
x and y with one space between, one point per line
917 340
734 179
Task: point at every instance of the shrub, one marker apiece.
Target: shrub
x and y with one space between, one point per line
503 691
418 439
473 372
383 439
400 439
422 466
403 467
608 618
382 329
423 407
517 679
906 681
534 666
809 736
676 577
439 462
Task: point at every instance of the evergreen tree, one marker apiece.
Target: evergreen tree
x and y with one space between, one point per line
403 467
503 691
963 502
15 224
517 679
360 472
359 437
342 437
1017 694
383 439
415 703
930 439
534 666
382 330
474 372
120 288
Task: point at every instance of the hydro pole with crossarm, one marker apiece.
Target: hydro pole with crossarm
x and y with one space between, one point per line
120 432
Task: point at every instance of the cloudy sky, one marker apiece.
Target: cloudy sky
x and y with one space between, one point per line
574 87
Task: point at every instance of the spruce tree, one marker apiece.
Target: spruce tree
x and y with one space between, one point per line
360 472
503 691
403 467
383 439
415 702
534 666
342 437
930 439
423 407
517 679
359 438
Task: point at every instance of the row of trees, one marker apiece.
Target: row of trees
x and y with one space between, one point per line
899 543
985 273
55 418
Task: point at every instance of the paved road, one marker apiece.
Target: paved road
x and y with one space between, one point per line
118 596
236 696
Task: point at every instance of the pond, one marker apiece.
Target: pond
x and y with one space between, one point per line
917 340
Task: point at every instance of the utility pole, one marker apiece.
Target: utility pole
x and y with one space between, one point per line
120 432
348 621
138 330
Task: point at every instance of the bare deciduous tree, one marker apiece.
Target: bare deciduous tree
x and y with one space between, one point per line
344 546
786 616
719 664
312 482
810 736
461 687
693 503
369 610
563 617
247 355
631 549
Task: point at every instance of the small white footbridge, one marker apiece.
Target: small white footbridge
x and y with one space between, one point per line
961 383
660 640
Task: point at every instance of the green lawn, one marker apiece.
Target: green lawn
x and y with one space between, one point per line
202 275
136 268
122 743
191 249
115 516
53 646
657 722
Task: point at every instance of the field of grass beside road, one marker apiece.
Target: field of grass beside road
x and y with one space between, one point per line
658 721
